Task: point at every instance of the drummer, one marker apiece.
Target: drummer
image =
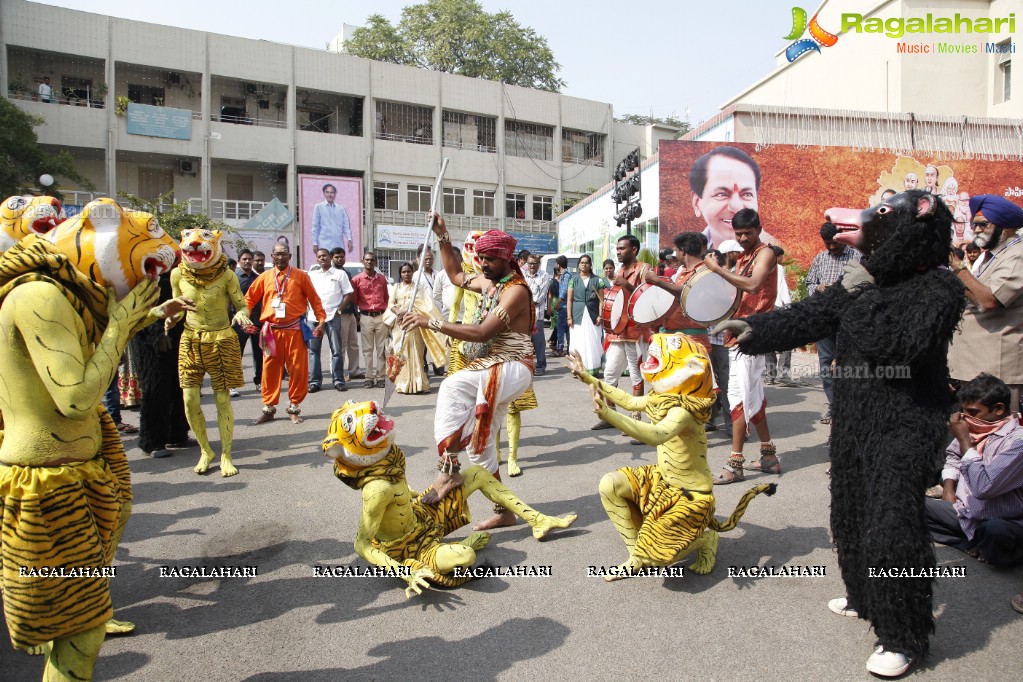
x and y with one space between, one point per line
755 276
692 246
625 347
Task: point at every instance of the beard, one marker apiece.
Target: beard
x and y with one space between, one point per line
989 241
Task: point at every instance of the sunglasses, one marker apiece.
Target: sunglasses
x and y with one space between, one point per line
982 224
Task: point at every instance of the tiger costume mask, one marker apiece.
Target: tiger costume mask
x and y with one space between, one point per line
21 216
678 365
470 260
200 248
359 435
114 247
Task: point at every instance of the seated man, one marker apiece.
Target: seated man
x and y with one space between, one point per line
981 509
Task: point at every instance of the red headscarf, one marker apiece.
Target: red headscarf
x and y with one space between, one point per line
497 244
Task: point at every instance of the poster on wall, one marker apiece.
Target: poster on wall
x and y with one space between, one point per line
704 184
330 209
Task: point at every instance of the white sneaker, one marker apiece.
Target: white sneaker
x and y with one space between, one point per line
887 663
235 393
841 607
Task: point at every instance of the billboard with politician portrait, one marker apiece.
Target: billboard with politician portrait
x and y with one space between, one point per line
330 210
703 184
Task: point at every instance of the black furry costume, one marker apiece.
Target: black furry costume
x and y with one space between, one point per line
888 434
162 414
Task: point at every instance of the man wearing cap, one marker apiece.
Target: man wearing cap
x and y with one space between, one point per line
991 332
498 354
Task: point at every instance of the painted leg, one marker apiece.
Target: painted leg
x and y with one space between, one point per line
197 422
225 422
478 478
617 497
73 658
114 626
497 446
514 426
454 555
706 548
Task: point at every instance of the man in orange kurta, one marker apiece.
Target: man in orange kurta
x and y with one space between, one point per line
285 293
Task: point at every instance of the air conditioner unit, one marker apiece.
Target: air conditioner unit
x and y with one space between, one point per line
185 166
282 175
173 78
251 88
263 104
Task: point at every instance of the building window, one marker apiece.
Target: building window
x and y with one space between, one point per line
578 146
145 94
529 140
543 207
470 131
1003 74
454 200
483 202
76 89
404 122
419 197
515 206
385 196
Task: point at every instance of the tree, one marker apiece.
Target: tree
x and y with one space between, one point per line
457 36
672 121
24 160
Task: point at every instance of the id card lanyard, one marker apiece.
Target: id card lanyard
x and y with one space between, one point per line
278 302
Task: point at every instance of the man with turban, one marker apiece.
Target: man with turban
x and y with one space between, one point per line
498 353
991 333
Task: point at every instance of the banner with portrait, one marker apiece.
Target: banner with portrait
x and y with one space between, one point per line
703 184
330 211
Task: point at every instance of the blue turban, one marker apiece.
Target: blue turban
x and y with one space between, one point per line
998 210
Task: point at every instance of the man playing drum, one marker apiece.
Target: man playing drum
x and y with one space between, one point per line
691 248
624 347
755 276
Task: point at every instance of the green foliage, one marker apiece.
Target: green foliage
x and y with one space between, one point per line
792 267
22 160
174 217
647 256
457 36
121 105
672 121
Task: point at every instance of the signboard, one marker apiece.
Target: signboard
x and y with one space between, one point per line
330 208
273 216
144 119
542 244
400 237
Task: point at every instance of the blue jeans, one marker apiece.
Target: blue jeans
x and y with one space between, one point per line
112 401
563 329
539 347
825 354
331 330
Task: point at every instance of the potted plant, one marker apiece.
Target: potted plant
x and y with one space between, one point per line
158 101
99 93
121 105
17 86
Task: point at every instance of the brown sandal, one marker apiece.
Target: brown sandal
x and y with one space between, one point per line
732 472
1017 602
769 453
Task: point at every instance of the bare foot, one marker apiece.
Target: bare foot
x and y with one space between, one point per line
442 485
477 541
548 523
502 520
624 571
204 462
513 467
226 467
295 419
263 418
119 627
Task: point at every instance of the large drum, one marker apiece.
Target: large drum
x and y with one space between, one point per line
613 317
708 298
649 305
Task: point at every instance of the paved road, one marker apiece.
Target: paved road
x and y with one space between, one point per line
285 513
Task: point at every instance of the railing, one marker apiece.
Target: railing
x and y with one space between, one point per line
466 222
249 121
470 147
599 163
415 139
79 197
228 209
57 99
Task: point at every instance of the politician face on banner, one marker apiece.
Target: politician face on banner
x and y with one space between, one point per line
331 214
724 181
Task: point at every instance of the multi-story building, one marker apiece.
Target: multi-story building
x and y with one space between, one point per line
243 118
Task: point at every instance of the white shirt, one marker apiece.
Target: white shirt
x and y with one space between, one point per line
783 298
443 292
332 285
45 92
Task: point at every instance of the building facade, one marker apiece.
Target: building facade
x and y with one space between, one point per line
243 118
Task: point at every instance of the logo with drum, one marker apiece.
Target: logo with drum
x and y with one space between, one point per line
818 36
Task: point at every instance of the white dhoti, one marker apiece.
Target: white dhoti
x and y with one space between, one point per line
468 407
746 387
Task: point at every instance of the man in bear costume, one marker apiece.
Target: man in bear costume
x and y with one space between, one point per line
895 312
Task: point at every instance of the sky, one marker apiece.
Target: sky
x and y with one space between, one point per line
662 58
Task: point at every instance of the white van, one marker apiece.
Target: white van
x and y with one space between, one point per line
547 262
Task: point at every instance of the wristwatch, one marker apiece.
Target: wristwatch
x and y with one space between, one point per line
959 268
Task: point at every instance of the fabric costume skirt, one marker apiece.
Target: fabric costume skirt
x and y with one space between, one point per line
672 517
54 517
526 401
128 384
418 548
216 353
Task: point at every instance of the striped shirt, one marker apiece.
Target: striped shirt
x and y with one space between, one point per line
990 485
827 269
